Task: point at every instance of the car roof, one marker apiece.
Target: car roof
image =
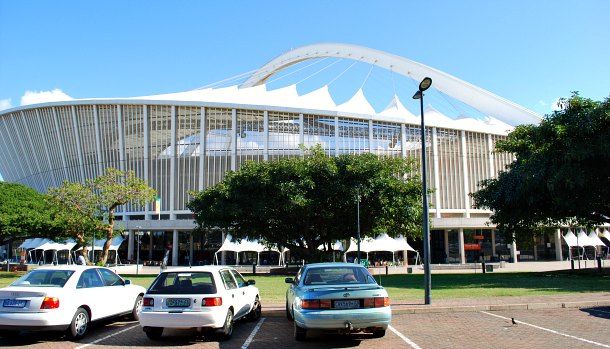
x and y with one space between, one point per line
199 268
68 267
331 264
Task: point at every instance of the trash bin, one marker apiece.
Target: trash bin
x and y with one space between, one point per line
410 270
489 268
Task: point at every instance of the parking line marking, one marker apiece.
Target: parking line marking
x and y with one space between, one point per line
549 330
108 336
407 340
254 331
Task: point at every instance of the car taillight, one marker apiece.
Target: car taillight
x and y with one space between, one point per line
212 302
315 303
148 302
50 303
377 302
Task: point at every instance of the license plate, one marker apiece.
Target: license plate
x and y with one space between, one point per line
178 302
14 303
351 304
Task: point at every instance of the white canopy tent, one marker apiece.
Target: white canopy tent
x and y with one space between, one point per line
382 243
581 240
245 246
42 244
98 245
598 242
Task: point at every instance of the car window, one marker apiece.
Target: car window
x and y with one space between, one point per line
44 278
110 278
90 278
183 283
337 275
241 282
297 278
228 280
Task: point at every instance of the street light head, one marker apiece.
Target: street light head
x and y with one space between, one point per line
417 95
425 84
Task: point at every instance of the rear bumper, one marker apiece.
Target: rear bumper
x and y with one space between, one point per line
33 322
183 319
336 319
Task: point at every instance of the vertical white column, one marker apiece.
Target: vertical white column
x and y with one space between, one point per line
462 251
175 246
60 143
403 141
336 136
266 135
558 250
98 141
41 184
436 171
490 150
146 148
202 149
120 131
234 140
130 245
46 149
172 168
513 251
301 129
465 173
371 150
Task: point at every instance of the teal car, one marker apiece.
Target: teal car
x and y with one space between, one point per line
338 297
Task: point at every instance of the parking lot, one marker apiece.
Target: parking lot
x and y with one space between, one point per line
545 328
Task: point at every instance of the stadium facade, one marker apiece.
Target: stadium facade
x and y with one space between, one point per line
185 142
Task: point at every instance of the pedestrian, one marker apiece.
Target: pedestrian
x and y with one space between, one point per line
80 259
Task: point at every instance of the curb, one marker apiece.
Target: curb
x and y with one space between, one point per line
276 311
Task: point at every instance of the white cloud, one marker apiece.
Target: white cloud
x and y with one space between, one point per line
5 104
33 97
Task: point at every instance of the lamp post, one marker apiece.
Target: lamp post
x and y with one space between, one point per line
423 86
139 234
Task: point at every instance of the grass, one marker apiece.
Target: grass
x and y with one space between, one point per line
411 286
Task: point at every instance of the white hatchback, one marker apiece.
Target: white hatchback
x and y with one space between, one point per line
64 298
208 298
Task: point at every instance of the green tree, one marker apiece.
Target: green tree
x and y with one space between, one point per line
301 203
24 213
560 174
91 206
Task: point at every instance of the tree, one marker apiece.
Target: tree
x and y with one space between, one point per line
24 213
560 174
91 206
301 203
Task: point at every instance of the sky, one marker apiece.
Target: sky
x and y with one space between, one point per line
530 52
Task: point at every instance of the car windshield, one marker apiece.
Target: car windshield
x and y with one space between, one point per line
338 276
44 278
183 283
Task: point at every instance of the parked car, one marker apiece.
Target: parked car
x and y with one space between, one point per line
208 298
66 298
341 297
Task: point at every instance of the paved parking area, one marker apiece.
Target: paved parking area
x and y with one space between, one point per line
544 328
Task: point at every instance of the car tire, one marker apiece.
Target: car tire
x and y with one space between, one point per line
299 332
288 313
137 307
226 331
255 312
80 323
378 333
153 333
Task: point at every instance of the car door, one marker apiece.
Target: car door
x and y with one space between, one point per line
91 292
116 292
245 293
291 291
232 291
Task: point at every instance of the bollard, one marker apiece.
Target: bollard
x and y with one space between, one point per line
386 269
599 264
253 268
572 262
483 267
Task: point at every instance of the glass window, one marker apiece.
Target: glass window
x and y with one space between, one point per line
183 283
90 278
45 278
110 278
241 282
338 275
228 280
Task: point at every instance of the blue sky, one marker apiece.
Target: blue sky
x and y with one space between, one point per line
530 52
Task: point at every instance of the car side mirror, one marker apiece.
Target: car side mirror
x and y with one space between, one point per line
127 282
289 280
251 282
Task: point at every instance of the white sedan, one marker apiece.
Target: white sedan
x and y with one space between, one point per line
208 298
66 298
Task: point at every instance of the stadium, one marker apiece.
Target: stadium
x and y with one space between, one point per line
185 142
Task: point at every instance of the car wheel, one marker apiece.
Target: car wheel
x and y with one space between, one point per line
137 307
153 333
255 313
288 313
226 331
7 334
299 332
80 323
378 333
